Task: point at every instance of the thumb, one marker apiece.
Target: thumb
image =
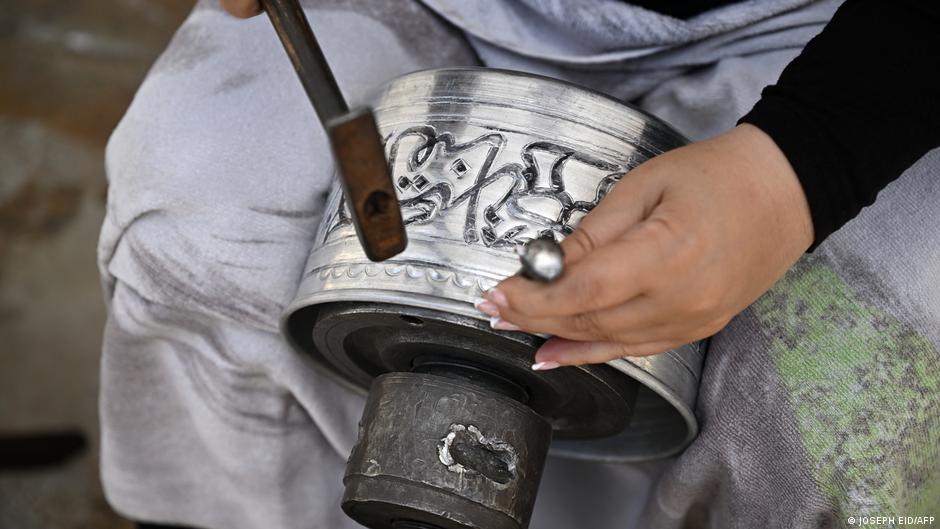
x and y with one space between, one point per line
242 8
630 201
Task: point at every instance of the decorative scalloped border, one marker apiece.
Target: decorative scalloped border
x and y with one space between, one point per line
474 284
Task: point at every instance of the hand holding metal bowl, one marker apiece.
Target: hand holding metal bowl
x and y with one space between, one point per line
680 246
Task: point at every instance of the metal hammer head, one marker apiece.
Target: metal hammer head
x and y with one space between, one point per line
370 192
357 146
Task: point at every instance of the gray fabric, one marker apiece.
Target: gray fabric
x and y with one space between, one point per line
217 174
216 180
624 50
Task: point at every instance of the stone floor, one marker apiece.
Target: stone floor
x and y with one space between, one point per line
67 72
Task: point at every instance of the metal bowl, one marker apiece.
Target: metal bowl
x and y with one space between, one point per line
484 160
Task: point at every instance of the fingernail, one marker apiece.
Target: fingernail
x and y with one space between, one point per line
545 366
486 307
497 297
502 325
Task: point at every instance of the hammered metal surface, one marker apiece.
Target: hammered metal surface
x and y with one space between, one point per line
483 161
446 453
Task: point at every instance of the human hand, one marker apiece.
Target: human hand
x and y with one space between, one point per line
680 245
242 8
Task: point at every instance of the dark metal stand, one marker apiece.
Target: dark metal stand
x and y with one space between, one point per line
456 427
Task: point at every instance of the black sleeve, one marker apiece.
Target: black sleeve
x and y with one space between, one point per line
858 106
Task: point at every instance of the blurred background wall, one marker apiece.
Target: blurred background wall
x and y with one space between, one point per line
68 69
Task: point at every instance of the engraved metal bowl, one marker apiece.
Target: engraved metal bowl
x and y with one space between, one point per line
484 160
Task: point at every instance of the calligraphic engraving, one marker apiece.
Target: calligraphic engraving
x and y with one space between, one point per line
502 198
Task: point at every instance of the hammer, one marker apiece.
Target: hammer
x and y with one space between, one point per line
357 147
360 155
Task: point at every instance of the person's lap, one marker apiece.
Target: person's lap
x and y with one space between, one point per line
217 175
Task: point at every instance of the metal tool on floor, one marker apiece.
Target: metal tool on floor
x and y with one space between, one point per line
490 168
